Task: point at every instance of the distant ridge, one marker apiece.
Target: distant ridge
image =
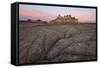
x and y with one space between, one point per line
66 19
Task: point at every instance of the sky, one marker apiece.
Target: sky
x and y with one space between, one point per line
47 13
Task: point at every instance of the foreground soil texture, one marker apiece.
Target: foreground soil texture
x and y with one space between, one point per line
56 43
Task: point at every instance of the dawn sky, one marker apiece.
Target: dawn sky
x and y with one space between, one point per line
47 13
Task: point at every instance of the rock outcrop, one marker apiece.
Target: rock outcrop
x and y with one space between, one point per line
43 44
64 20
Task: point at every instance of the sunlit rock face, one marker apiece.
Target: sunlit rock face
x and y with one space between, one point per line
64 19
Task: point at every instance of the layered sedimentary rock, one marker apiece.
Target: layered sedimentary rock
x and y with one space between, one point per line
64 20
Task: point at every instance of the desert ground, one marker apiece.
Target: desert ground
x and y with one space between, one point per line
56 43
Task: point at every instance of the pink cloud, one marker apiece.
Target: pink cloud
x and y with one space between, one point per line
36 13
85 16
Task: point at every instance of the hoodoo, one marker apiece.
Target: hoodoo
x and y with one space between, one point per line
64 19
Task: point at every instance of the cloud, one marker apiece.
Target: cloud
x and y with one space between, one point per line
48 13
35 14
